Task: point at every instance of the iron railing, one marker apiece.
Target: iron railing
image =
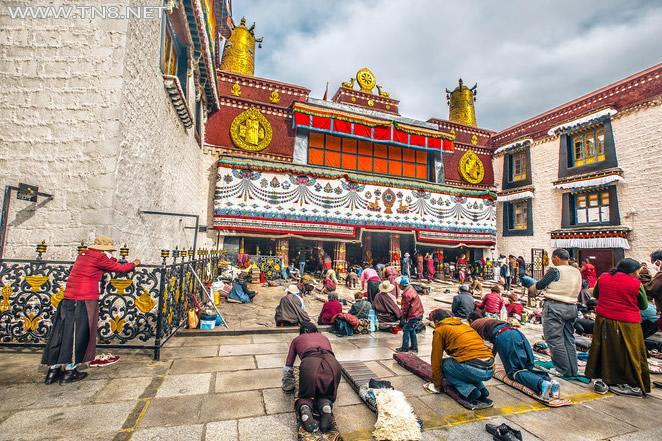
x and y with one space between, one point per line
138 310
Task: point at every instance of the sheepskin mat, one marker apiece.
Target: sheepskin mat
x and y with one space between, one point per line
396 420
423 370
501 375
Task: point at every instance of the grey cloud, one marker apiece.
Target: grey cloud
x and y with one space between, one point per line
527 56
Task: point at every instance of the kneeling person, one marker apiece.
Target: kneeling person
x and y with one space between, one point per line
470 362
516 355
319 376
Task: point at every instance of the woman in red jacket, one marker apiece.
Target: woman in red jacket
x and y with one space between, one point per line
74 334
618 353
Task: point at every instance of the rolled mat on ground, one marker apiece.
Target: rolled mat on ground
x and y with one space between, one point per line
396 420
423 370
501 375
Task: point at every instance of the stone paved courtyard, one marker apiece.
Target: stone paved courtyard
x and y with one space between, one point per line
227 388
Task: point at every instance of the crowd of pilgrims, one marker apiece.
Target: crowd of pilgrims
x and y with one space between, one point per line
620 308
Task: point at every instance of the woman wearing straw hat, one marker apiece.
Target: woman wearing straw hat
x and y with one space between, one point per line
73 337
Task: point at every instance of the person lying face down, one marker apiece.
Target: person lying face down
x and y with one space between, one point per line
470 361
516 355
319 376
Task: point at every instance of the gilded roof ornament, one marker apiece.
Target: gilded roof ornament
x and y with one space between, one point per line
366 81
239 51
461 104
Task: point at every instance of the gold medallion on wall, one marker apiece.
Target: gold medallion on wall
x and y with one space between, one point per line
471 168
251 131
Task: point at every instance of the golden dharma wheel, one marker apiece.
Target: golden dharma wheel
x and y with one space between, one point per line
366 79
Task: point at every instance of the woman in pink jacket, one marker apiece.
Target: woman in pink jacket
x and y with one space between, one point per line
73 336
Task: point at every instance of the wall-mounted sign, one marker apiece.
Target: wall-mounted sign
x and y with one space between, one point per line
27 192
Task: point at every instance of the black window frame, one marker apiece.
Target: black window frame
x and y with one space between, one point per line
508 165
569 208
509 215
566 152
182 51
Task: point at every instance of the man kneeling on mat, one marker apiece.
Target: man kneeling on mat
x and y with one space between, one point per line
319 376
470 362
516 355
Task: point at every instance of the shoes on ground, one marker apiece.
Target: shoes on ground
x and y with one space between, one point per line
326 415
657 384
600 387
401 350
556 390
72 376
626 389
104 360
53 375
546 390
307 419
503 432
414 350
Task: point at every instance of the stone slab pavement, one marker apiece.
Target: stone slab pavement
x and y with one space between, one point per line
227 388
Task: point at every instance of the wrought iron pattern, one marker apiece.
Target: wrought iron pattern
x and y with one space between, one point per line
140 309
30 291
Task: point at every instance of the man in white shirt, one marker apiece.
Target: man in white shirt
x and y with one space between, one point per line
562 284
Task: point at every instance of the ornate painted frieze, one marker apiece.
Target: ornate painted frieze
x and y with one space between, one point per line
275 202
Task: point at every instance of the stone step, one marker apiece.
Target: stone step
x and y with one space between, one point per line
246 331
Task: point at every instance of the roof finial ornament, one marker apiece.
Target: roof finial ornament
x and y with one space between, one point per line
239 52
461 104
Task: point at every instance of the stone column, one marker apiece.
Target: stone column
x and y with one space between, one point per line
339 258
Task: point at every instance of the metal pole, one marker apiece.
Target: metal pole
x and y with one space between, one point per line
195 236
5 216
207 294
168 213
159 314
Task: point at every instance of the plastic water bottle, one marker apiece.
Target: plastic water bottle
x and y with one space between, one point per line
503 314
372 317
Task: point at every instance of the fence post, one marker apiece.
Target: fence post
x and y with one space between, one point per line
159 315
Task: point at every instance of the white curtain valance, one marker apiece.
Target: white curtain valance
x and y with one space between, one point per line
575 123
515 196
592 182
594 242
513 145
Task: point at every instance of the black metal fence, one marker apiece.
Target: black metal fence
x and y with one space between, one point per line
139 310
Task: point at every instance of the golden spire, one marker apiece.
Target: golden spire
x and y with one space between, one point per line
461 104
239 52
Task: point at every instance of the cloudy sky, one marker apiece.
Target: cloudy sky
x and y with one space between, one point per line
526 55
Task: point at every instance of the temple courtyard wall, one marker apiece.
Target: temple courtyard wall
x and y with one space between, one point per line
638 139
85 116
